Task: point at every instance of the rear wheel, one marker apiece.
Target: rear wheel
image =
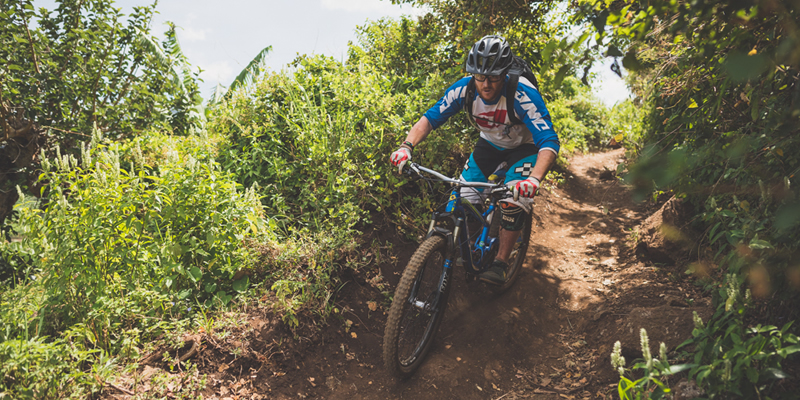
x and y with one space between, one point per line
417 309
517 257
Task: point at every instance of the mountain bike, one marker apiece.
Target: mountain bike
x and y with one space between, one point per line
461 235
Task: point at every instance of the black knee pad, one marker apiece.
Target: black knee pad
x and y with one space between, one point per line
513 216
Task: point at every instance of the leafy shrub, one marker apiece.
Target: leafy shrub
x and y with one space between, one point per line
627 119
85 64
120 255
721 130
728 359
578 117
735 360
653 384
42 369
317 141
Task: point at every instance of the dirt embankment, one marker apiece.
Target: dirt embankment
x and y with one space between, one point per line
597 271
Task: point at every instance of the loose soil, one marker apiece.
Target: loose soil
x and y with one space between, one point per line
587 282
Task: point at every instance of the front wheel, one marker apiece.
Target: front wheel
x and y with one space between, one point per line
417 309
517 257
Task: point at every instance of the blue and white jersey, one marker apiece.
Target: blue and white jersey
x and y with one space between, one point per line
492 118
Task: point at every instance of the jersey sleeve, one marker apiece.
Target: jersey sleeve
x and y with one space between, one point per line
451 103
529 105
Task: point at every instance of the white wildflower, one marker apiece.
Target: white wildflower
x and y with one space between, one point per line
617 360
645 341
698 322
138 155
86 155
726 373
97 135
732 291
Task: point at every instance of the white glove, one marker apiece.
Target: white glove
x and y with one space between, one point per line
526 188
400 157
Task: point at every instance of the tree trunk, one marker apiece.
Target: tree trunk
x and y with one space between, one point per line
19 146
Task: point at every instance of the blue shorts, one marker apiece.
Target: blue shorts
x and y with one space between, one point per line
486 157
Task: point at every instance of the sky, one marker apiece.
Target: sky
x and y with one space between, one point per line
222 37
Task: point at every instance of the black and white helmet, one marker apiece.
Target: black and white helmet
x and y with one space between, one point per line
490 56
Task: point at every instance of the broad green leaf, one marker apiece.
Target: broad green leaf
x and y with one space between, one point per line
195 274
742 67
674 369
562 72
224 297
758 244
775 373
599 21
631 62
613 51
791 349
241 285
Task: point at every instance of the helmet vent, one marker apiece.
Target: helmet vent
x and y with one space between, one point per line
489 56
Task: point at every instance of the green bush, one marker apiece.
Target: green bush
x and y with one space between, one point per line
121 252
627 119
315 144
43 369
731 358
578 117
317 141
721 130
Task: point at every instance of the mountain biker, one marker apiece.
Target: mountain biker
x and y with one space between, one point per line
529 149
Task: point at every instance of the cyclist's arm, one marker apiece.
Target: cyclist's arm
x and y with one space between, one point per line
543 163
419 131
530 106
451 103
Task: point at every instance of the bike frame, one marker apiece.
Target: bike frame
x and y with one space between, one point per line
473 256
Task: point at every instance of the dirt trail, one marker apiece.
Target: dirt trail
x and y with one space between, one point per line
548 337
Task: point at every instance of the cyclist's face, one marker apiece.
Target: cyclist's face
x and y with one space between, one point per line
489 90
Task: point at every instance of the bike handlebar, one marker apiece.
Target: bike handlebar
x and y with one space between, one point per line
416 168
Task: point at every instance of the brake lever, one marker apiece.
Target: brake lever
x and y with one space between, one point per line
413 172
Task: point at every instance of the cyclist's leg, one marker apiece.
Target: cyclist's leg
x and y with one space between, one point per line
481 164
521 161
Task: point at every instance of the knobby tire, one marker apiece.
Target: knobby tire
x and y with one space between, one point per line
405 348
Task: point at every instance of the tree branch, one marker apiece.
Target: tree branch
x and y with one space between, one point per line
30 40
66 131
